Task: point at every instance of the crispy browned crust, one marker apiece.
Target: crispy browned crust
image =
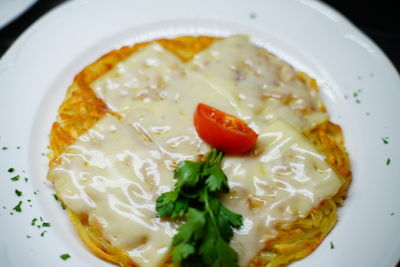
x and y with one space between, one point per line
81 109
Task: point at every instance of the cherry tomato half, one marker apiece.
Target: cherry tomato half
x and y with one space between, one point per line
223 131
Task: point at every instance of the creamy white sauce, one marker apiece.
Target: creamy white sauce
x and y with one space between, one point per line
115 171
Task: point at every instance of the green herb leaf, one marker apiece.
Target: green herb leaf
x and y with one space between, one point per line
15 178
226 217
215 250
171 205
207 247
217 179
18 207
65 256
194 221
388 161
11 170
187 173
332 246
184 242
18 193
230 256
203 239
253 15
46 224
385 140
182 251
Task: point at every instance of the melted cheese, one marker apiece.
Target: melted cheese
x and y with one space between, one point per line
255 73
115 171
116 182
282 183
275 110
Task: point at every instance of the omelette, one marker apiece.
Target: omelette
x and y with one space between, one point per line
127 122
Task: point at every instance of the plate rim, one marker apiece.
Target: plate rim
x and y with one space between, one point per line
47 17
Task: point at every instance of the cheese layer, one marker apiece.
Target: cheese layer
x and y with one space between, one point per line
115 172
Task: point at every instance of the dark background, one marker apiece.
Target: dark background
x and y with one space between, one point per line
378 19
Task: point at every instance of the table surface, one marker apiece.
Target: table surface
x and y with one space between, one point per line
378 20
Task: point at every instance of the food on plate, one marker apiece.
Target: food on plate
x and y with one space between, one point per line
128 123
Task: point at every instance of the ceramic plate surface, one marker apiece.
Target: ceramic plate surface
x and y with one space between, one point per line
11 9
358 83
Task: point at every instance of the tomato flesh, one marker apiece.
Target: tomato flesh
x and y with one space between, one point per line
223 131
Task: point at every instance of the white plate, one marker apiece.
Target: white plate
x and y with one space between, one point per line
36 71
11 9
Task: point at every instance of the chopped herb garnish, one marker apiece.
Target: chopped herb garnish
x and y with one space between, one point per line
204 237
29 200
42 234
388 161
61 203
41 219
356 95
26 179
18 193
65 256
332 246
28 236
11 170
33 221
18 147
46 224
18 207
4 148
15 178
385 140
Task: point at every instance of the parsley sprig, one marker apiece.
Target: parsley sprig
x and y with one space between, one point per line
203 240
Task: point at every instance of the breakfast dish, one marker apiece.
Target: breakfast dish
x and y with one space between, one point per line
127 122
